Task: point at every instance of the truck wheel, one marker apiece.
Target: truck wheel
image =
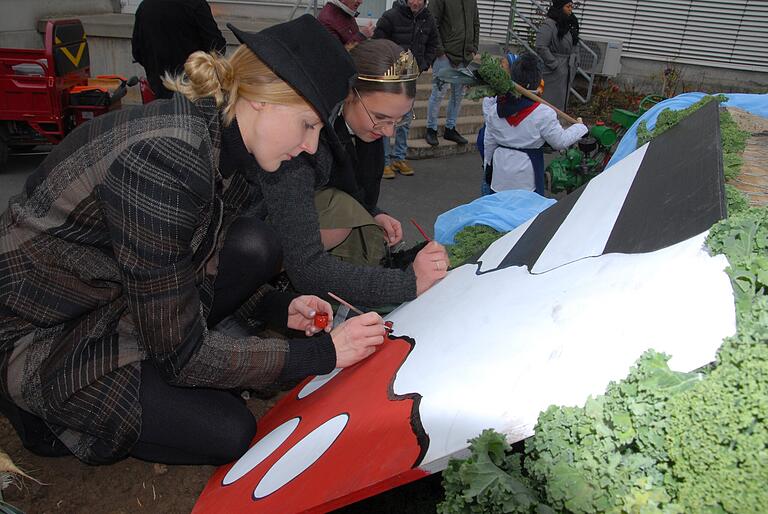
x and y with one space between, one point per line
3 154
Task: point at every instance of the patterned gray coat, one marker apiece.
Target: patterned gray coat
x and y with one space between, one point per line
107 259
560 62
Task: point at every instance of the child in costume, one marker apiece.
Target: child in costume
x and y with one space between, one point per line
516 130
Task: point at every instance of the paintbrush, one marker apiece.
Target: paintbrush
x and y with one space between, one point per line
349 305
387 324
421 230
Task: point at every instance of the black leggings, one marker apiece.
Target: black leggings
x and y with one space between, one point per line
208 426
251 256
182 425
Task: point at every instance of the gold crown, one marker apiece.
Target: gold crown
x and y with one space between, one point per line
404 69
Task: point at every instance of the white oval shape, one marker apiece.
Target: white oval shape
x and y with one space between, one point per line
260 451
301 456
316 383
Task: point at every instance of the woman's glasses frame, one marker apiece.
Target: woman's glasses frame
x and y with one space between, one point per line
385 124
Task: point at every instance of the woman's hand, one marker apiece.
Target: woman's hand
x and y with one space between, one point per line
430 265
392 228
302 310
357 338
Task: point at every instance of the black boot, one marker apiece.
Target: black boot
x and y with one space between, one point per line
431 137
452 135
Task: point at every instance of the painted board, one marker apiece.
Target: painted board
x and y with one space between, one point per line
549 314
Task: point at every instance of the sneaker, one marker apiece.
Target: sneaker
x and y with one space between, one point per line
388 171
431 137
451 134
402 168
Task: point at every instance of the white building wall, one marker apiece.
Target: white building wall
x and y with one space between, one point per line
728 34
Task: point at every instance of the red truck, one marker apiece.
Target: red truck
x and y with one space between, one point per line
45 93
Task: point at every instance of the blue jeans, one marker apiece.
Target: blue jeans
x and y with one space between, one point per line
401 144
438 91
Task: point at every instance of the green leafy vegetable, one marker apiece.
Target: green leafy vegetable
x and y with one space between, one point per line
496 80
658 441
470 241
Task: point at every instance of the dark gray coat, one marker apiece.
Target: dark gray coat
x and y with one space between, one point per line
560 62
109 257
414 32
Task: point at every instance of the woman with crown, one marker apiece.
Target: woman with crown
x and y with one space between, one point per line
324 207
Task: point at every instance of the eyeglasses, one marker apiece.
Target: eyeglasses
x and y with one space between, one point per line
385 124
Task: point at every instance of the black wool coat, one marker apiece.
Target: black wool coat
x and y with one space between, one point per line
414 32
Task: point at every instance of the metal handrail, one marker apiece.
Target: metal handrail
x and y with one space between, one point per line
312 4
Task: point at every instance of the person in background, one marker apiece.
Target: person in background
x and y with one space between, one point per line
409 24
166 32
517 128
338 16
458 24
131 234
324 207
556 44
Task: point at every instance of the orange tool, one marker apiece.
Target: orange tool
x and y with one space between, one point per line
321 320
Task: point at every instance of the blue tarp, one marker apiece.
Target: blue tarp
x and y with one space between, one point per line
502 211
752 103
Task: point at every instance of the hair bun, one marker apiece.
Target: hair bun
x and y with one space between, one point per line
209 74
526 71
529 62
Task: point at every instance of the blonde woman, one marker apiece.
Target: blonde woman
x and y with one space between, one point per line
126 245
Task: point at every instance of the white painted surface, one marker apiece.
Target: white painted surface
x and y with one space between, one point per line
316 383
522 342
301 456
260 451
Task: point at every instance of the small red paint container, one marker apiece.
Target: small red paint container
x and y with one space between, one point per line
321 320
388 325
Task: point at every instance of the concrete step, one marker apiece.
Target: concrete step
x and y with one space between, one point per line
468 108
419 149
464 124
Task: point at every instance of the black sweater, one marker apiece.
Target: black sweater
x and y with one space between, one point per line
417 33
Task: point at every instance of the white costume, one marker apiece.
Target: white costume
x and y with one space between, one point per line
512 169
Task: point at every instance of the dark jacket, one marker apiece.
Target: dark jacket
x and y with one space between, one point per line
166 32
109 258
288 197
458 23
340 24
414 32
358 167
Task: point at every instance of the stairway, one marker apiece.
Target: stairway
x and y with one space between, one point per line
469 122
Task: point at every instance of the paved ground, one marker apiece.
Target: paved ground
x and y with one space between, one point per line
438 185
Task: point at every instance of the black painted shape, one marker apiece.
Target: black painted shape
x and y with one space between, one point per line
529 247
679 189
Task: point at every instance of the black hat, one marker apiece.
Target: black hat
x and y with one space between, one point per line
559 4
526 71
306 56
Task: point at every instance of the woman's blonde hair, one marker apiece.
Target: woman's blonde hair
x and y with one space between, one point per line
226 79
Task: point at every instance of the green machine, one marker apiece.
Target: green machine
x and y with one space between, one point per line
582 163
579 165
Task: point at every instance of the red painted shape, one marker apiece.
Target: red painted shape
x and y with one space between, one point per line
515 119
376 451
